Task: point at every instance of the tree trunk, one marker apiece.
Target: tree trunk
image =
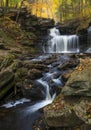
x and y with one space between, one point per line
7 3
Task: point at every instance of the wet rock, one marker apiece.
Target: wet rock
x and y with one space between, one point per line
34 91
36 65
34 74
68 65
63 66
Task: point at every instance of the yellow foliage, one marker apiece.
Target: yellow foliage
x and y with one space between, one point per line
59 10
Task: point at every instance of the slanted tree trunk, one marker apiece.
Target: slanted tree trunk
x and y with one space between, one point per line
18 12
7 3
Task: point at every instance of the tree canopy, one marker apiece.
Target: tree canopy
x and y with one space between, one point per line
60 10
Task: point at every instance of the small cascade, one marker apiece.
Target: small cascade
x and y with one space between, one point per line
48 99
45 84
61 43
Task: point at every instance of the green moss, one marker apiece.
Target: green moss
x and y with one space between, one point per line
15 65
7 61
20 74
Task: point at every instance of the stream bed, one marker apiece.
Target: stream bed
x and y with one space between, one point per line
24 113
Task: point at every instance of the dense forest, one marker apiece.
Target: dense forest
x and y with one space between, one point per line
60 10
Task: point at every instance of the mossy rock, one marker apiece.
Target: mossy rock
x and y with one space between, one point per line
16 65
34 74
6 82
21 74
7 61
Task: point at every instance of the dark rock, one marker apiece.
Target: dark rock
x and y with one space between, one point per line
79 83
36 65
68 65
6 82
46 23
34 91
63 66
34 74
20 74
2 46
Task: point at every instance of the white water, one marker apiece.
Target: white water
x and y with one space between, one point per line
54 32
48 99
57 81
62 43
15 103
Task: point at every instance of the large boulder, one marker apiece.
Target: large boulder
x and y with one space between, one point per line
61 114
72 107
79 84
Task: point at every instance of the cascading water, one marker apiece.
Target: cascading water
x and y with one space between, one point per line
61 43
48 99
27 113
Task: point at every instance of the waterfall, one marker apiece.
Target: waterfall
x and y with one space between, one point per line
61 43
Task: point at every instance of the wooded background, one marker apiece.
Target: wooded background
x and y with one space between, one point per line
60 10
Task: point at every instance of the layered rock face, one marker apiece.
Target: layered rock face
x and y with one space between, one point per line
72 108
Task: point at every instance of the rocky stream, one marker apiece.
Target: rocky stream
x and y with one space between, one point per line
49 89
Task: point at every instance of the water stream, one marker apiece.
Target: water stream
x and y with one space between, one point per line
58 43
16 113
21 114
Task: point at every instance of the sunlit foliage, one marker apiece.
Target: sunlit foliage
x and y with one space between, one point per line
60 10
